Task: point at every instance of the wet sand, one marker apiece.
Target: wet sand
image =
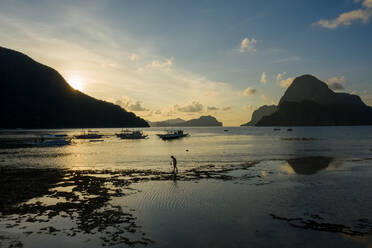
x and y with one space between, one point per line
307 201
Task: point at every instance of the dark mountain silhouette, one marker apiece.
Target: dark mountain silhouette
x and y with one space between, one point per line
259 113
200 122
33 95
309 88
309 102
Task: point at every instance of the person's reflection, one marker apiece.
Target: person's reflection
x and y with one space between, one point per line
174 179
309 165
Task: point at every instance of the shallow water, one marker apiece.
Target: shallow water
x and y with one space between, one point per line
249 186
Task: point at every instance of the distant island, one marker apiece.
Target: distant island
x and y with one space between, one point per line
33 95
309 102
259 113
202 121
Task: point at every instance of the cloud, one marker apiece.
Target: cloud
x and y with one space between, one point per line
162 64
336 83
193 107
149 114
364 14
210 108
286 82
367 3
280 76
133 57
249 92
367 98
128 104
247 45
263 78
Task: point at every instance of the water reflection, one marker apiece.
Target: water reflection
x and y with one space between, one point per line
308 165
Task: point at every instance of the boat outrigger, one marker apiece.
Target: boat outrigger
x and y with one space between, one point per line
89 135
173 134
130 134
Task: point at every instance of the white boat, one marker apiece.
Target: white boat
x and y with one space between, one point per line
130 134
88 135
173 134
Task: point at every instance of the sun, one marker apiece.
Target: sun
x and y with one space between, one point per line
76 83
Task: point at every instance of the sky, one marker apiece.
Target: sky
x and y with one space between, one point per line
168 59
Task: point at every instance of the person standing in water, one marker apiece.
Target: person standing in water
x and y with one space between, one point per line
174 162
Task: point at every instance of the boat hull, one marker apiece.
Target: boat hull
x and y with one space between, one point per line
171 136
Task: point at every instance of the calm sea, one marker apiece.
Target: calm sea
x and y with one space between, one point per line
206 145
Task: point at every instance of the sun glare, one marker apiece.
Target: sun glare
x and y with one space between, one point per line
76 83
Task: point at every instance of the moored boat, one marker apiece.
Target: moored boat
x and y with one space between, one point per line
130 134
89 135
173 134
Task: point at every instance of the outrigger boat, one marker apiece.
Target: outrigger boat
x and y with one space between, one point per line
130 134
89 135
173 134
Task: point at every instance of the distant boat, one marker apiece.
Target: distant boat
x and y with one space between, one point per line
276 129
289 129
130 134
89 135
173 134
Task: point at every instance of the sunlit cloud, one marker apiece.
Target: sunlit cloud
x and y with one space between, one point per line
336 83
193 107
280 76
212 108
162 64
249 92
367 98
133 57
285 83
345 19
248 45
263 78
131 105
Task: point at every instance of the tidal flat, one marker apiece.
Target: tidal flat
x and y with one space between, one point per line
257 203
